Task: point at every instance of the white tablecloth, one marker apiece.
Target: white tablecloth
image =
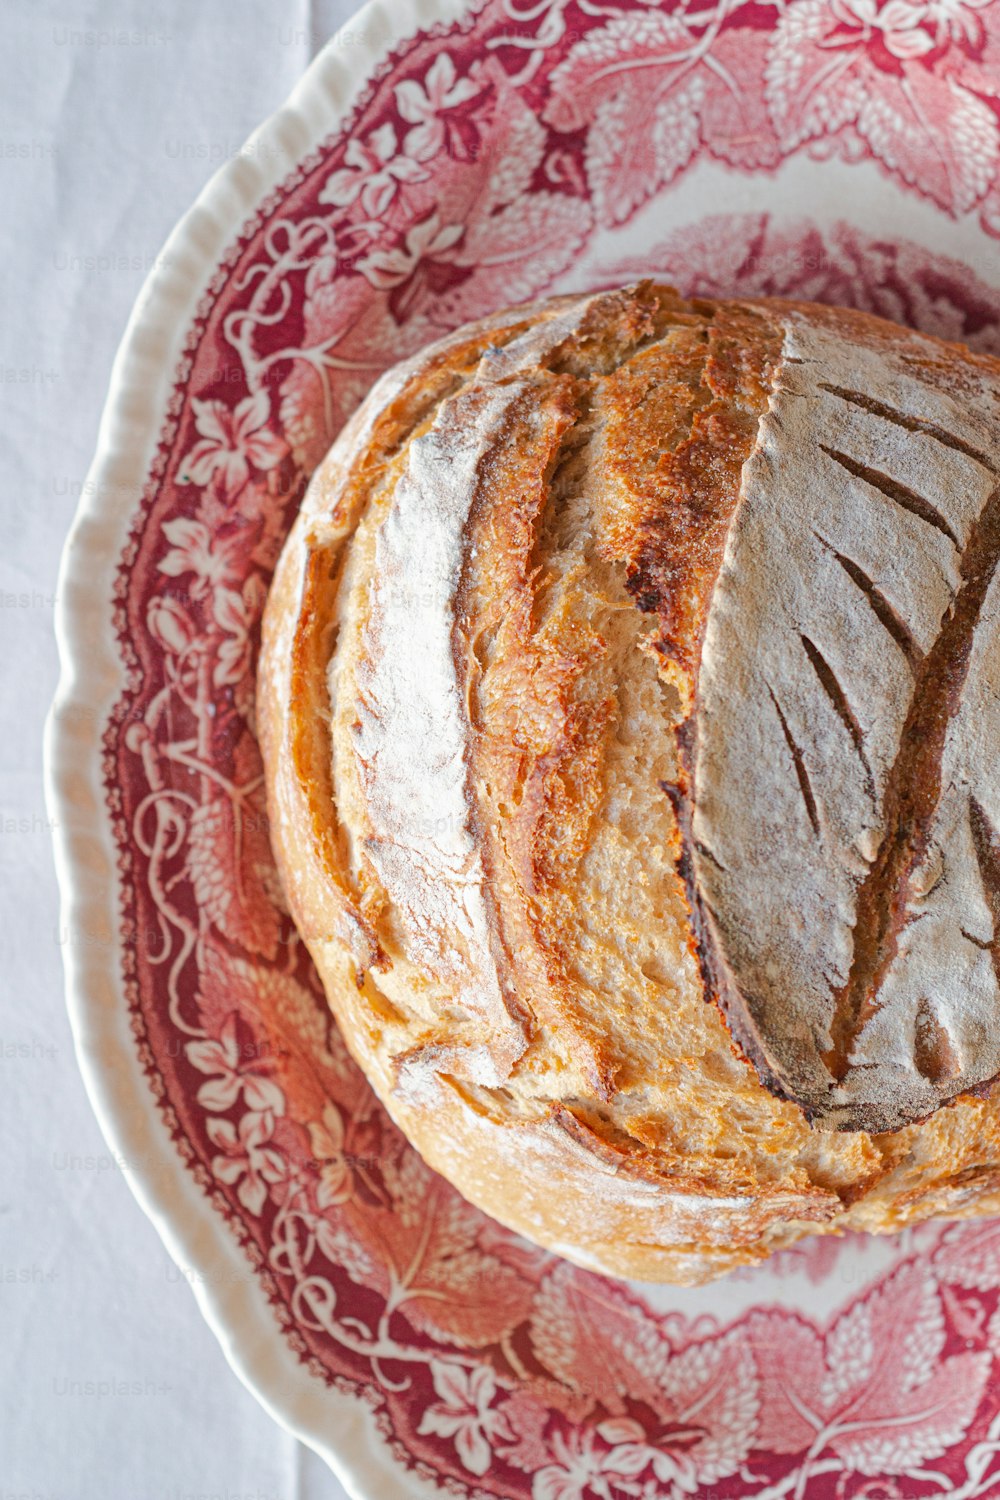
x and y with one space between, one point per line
112 116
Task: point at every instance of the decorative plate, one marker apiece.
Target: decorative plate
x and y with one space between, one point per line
476 155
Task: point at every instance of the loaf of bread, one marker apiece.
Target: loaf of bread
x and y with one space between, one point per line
630 707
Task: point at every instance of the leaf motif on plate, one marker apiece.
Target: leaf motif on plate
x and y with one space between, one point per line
520 248
811 89
592 1337
231 866
969 1256
735 123
637 85
425 1247
935 134
827 69
877 1391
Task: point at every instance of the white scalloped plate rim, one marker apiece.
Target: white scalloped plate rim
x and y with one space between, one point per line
92 676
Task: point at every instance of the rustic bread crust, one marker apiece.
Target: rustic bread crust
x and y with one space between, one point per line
482 650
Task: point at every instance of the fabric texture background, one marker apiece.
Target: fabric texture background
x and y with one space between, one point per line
113 115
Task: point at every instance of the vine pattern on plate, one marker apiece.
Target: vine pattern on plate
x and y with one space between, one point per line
475 173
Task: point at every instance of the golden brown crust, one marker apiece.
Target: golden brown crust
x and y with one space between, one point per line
524 984
681 419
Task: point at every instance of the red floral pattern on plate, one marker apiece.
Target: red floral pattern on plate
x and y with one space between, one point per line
483 164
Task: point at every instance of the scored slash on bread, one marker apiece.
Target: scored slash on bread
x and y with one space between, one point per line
848 689
631 654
